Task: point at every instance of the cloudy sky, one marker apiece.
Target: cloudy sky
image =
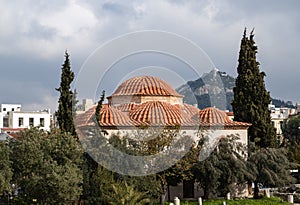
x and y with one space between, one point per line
35 34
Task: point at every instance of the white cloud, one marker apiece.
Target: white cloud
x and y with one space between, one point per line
73 20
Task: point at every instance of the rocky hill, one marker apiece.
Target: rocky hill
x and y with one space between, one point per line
215 89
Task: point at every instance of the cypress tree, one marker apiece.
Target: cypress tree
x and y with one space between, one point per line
251 99
65 103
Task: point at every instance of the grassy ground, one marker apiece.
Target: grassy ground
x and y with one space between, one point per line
264 201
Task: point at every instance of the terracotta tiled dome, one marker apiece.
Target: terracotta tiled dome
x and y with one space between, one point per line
147 100
156 113
213 115
145 85
110 116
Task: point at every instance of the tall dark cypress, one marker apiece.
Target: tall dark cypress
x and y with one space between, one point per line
64 114
251 98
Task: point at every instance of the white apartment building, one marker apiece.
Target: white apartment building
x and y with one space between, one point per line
278 115
11 116
5 108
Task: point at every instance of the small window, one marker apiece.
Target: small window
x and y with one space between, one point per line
42 122
31 121
21 121
12 109
4 109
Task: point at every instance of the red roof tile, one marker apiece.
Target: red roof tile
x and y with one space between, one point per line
214 117
145 85
125 107
157 113
190 109
86 119
110 116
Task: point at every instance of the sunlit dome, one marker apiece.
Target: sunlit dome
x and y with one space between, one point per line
156 113
213 115
145 85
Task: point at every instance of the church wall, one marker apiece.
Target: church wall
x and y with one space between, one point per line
169 99
119 100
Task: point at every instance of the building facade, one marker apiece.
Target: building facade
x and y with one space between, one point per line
12 117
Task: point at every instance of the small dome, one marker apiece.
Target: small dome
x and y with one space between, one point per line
213 116
156 113
110 116
145 85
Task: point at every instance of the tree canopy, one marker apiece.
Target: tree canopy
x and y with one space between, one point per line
5 168
251 99
224 168
66 101
46 166
270 167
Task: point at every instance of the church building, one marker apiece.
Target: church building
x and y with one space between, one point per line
151 102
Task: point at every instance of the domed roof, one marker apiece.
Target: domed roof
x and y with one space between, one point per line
110 116
145 85
156 113
213 115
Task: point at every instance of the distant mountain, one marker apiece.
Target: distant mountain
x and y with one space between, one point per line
215 89
281 103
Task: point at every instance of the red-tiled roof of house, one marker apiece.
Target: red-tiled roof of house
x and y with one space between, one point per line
86 119
13 132
8 129
145 85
